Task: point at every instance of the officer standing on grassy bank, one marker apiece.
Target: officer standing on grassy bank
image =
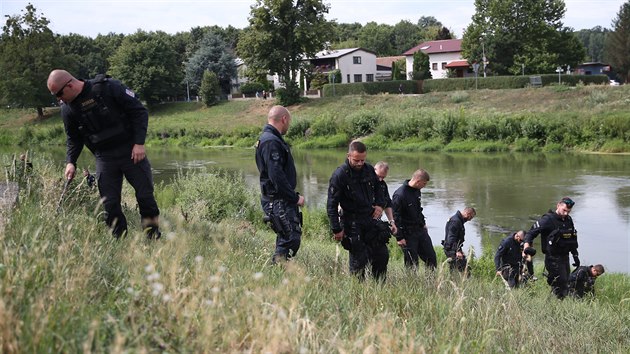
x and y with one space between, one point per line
413 235
278 179
106 116
558 238
354 186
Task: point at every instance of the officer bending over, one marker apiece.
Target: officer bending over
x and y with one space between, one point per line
454 238
582 280
106 116
507 260
354 187
278 179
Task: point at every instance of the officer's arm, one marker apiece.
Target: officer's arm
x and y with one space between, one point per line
397 208
379 195
534 231
133 109
499 256
451 234
332 204
274 155
74 141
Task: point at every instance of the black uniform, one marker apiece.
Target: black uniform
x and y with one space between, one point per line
508 259
357 192
278 179
581 282
558 238
108 119
412 226
454 241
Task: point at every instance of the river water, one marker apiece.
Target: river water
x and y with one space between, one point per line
509 191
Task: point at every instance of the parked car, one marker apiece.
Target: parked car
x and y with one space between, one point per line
614 83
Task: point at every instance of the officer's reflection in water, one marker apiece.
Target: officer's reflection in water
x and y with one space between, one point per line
105 116
278 180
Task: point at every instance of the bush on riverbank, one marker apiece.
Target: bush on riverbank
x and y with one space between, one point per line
207 286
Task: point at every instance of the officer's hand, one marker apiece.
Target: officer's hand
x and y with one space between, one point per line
70 170
378 212
459 255
338 236
393 228
138 153
402 243
498 273
576 261
300 201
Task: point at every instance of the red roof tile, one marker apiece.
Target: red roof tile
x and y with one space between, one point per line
458 64
432 47
387 61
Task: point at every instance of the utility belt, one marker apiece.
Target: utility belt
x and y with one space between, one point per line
281 220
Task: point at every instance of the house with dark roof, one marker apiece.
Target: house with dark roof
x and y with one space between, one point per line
355 64
443 55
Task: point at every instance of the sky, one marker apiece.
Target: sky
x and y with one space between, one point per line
93 17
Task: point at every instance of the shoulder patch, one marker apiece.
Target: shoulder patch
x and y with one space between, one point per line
130 93
275 156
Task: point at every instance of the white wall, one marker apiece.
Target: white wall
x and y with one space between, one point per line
438 58
367 66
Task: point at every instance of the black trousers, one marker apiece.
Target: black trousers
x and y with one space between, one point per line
419 245
288 228
558 278
109 174
510 272
364 251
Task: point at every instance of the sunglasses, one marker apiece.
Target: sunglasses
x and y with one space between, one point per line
568 201
60 92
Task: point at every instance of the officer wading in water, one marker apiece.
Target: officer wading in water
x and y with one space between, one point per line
558 238
355 187
105 116
278 180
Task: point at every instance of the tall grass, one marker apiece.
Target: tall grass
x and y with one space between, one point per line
207 286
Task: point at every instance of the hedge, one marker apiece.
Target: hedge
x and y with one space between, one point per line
455 84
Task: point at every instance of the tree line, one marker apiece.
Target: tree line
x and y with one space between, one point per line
513 35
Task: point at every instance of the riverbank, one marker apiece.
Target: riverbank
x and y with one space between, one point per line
207 285
555 118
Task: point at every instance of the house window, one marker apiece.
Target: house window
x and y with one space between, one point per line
444 65
358 77
434 66
356 60
348 78
369 77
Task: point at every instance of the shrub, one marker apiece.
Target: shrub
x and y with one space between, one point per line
324 125
252 87
446 127
298 128
210 89
362 123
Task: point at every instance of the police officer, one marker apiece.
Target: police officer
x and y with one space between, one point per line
278 180
381 169
454 238
582 280
558 238
105 116
413 235
508 258
354 187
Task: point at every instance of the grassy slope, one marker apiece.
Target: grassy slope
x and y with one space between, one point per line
207 286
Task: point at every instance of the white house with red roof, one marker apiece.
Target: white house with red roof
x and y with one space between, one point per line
355 64
443 55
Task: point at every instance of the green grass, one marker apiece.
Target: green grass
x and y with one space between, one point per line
208 286
554 118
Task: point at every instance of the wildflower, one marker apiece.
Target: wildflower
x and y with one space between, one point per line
215 290
149 268
214 278
167 298
170 236
198 259
157 288
258 276
153 276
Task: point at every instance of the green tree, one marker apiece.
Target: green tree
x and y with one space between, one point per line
421 66
618 43
405 35
214 55
280 35
398 70
377 38
516 32
210 89
593 40
108 45
87 58
147 63
28 52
